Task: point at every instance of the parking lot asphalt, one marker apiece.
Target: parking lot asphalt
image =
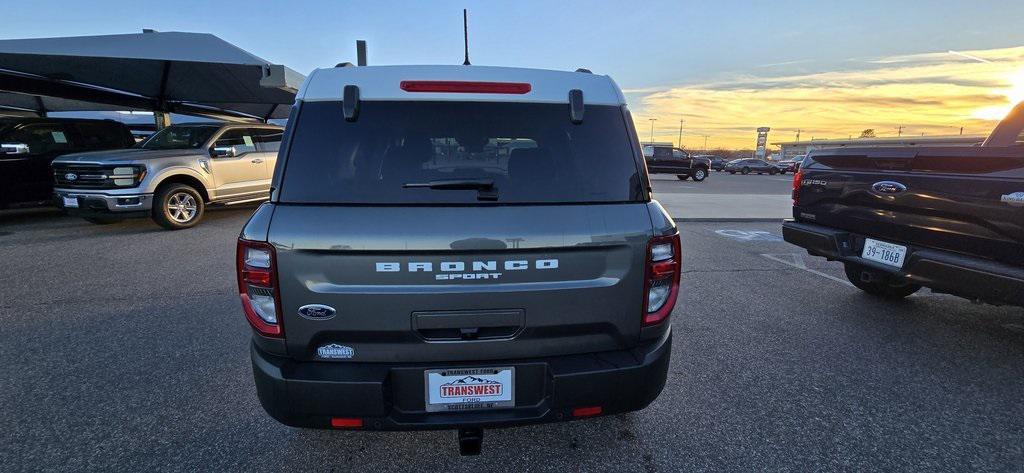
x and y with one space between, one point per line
724 196
725 183
124 348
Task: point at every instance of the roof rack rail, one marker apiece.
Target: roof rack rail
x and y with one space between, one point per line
584 70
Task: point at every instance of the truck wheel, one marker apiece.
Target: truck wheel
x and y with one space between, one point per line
681 177
700 174
177 206
745 171
878 283
103 220
773 171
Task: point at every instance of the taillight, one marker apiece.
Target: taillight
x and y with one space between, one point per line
465 87
661 281
798 180
257 287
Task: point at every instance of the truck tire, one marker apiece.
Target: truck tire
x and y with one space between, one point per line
103 220
773 171
177 206
878 283
699 174
745 171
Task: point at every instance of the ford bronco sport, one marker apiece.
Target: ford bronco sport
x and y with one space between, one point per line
458 247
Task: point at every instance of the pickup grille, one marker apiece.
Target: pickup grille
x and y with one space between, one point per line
86 176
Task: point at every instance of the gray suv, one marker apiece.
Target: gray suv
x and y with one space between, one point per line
172 175
458 247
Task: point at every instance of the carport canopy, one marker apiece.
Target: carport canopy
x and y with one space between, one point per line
188 73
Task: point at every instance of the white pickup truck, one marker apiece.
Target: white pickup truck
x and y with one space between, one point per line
172 175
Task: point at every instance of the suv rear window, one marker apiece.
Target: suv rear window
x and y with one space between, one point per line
531 152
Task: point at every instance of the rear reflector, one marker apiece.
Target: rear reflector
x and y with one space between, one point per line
587 411
462 87
346 423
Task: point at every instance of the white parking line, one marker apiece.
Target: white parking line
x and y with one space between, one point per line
797 261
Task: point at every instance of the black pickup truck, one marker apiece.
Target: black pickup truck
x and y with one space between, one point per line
947 218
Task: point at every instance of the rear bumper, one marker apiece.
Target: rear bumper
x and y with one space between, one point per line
391 396
99 203
942 271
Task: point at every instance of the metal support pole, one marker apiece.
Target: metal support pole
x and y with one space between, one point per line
162 120
360 52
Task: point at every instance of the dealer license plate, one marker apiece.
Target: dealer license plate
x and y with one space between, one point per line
465 389
71 202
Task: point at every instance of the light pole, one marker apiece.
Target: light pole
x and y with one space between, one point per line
652 129
681 133
706 143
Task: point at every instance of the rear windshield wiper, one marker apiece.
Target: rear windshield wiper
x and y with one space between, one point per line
484 187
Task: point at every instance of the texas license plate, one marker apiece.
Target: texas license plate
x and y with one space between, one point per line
885 253
465 389
71 202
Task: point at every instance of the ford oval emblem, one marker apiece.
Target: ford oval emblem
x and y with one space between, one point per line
317 311
889 187
71 176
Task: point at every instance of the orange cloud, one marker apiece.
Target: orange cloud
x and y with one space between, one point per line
931 93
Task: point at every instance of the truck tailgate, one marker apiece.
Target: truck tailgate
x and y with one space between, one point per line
469 281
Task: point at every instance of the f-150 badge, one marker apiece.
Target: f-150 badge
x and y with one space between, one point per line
1015 199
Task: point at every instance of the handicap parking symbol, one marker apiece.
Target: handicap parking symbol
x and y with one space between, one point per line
749 235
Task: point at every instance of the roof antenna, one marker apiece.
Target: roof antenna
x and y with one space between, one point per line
465 34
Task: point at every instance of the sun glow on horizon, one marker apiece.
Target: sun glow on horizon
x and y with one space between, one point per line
931 93
1014 95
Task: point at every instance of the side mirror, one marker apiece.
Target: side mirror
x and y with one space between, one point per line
14 148
224 152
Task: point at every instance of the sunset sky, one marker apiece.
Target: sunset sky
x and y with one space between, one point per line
930 93
830 68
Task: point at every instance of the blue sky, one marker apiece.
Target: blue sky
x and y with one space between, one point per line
648 47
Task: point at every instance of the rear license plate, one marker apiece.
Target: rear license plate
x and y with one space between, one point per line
71 202
885 253
466 389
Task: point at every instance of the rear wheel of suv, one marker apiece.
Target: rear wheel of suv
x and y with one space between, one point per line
773 171
177 206
700 174
103 220
745 171
878 283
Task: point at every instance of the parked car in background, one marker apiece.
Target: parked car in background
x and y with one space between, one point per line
718 163
30 144
749 165
792 164
172 175
947 218
665 159
523 285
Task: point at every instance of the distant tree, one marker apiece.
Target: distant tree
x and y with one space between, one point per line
869 133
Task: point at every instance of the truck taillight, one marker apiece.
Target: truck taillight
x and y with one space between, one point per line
257 287
661 281
798 180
